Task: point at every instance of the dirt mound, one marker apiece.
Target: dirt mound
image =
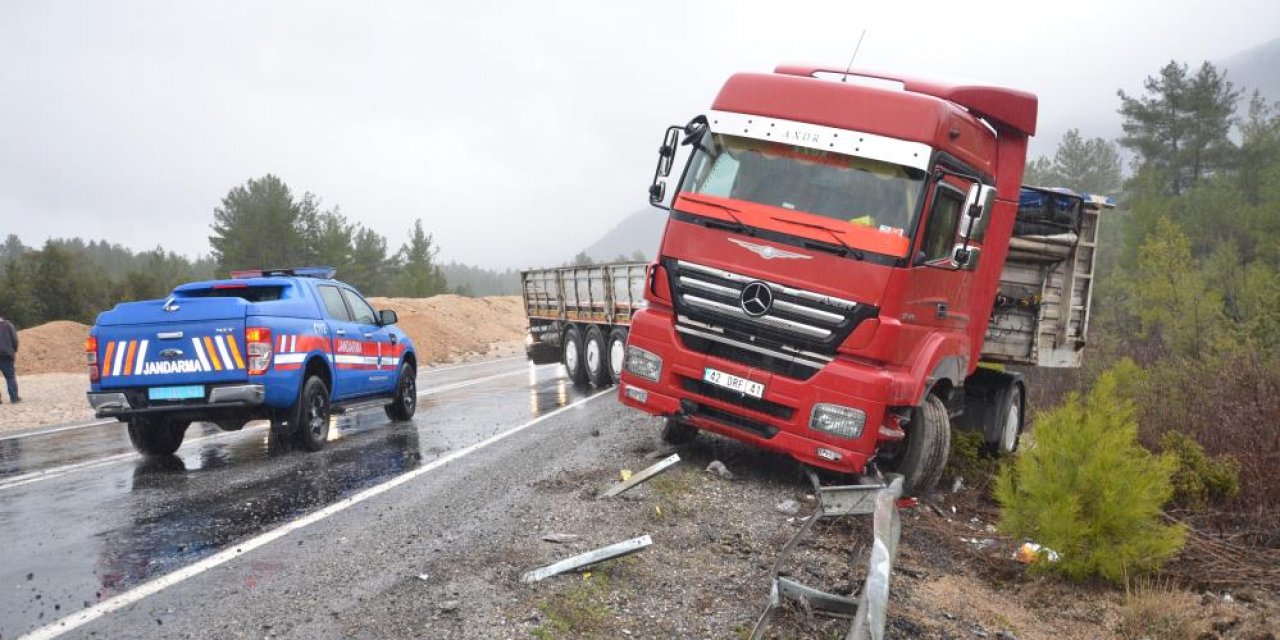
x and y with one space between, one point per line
55 347
442 328
447 326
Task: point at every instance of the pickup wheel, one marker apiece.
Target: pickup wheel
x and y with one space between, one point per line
922 456
597 358
310 415
156 437
617 351
573 360
405 401
677 432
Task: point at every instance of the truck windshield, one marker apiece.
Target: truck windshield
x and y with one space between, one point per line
857 191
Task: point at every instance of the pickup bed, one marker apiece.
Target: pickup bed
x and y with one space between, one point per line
289 346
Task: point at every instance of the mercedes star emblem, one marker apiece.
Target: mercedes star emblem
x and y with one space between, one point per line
757 299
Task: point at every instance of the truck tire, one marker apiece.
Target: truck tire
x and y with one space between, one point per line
617 352
922 456
573 360
156 436
310 415
405 402
596 357
1010 421
677 432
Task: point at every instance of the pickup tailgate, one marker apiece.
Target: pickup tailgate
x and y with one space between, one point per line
188 342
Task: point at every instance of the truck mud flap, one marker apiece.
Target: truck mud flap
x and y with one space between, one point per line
870 611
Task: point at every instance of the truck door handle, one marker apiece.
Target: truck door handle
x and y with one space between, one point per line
340 332
368 336
942 311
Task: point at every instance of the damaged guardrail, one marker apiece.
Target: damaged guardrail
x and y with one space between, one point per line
870 611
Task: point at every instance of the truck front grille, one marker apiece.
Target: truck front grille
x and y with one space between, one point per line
758 405
795 335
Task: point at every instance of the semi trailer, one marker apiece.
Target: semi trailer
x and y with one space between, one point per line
849 261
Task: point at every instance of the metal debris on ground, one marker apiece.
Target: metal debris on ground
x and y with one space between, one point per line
561 538
630 480
624 548
869 612
1031 552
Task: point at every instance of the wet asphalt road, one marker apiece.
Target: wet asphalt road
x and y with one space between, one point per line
83 518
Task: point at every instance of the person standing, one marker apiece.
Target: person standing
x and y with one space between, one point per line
8 353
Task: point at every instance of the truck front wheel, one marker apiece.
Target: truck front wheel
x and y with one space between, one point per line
922 456
310 415
155 436
405 401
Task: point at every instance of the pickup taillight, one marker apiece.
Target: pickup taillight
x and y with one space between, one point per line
91 357
257 343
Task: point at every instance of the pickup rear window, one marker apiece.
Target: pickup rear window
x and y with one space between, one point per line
259 293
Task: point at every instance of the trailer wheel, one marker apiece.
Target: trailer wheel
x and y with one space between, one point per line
922 456
573 352
597 357
1011 421
310 415
677 432
405 401
617 352
156 436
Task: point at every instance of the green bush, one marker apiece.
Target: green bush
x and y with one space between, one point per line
1089 491
1198 478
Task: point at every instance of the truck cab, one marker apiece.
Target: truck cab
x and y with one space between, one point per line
287 345
828 271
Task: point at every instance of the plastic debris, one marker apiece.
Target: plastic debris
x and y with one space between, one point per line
1031 552
626 475
717 468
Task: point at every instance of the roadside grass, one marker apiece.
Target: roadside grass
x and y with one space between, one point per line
581 612
1156 610
670 491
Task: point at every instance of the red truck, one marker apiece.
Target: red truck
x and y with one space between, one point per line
844 250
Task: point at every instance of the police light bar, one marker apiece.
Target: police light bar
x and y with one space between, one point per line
323 273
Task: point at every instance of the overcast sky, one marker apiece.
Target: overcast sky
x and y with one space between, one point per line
518 131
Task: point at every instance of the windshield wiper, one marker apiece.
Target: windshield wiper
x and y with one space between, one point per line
846 251
741 226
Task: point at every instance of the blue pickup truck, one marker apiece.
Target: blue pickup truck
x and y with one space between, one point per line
289 345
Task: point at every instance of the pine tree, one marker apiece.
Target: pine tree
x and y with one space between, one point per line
1179 128
420 275
1087 166
370 269
259 225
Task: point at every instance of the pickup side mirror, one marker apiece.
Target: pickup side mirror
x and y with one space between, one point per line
387 317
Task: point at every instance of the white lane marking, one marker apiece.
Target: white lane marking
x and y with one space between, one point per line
57 429
99 423
55 472
76 620
468 365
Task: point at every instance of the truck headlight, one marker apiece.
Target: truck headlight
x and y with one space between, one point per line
844 422
643 363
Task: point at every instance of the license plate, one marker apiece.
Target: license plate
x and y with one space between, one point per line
733 383
176 393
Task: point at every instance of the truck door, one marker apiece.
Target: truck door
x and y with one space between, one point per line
350 377
376 339
939 291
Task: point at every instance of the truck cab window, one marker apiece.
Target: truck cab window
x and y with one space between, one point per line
939 237
363 312
333 303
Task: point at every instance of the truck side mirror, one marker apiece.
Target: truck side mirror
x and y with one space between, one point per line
659 193
977 210
387 317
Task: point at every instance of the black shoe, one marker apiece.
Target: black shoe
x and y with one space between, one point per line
15 401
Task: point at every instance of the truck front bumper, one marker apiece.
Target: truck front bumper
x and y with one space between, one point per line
780 420
220 402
